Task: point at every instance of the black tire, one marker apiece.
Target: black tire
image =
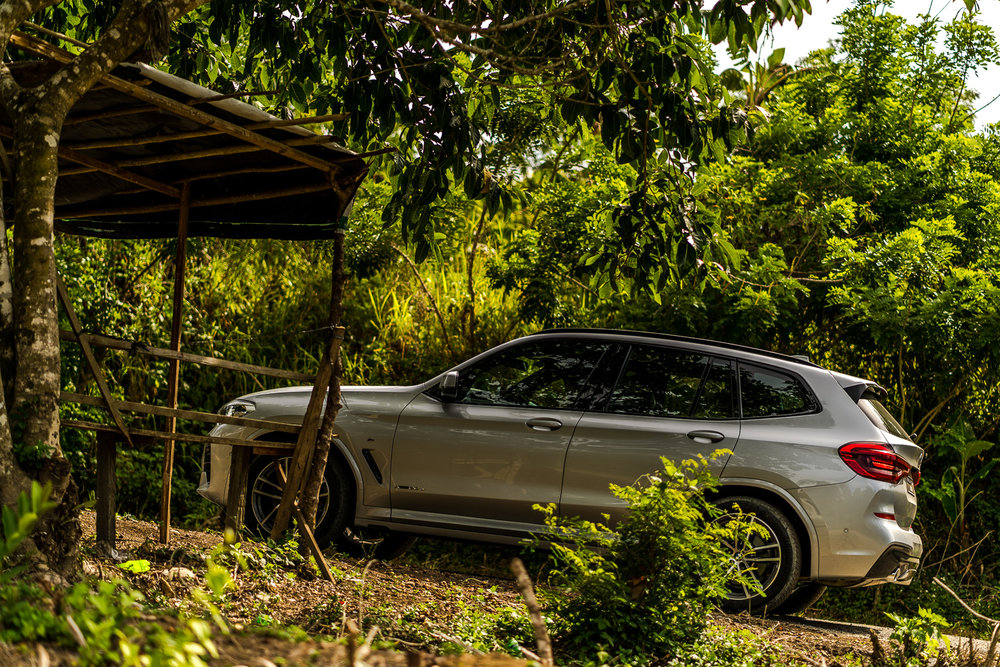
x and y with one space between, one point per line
264 487
775 563
374 543
804 596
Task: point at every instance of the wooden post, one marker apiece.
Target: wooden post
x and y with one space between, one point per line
88 354
302 456
236 499
173 380
106 491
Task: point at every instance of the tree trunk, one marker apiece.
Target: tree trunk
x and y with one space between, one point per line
35 411
12 479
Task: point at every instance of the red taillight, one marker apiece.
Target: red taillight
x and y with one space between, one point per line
875 461
915 475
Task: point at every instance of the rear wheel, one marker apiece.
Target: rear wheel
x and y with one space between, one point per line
264 488
772 560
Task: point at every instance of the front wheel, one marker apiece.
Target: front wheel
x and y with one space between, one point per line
772 561
264 488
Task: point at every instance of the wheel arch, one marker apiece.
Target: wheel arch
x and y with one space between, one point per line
791 509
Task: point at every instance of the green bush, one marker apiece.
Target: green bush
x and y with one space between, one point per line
643 591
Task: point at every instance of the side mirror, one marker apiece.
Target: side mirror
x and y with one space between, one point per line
449 386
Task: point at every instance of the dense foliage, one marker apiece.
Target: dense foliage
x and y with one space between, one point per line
642 591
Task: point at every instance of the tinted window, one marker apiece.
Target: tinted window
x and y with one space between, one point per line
716 398
546 374
769 393
882 418
659 382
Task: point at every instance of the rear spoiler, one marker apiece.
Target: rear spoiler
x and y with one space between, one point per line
858 388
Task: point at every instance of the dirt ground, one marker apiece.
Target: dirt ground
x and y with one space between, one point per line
417 607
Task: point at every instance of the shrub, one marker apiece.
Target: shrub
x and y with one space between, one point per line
643 591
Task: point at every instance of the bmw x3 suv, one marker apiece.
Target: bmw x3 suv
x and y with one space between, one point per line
558 416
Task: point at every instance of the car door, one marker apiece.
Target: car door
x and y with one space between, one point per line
666 402
486 457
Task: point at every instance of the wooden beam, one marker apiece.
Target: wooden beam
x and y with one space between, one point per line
307 436
117 112
161 353
94 164
178 437
173 206
197 134
174 374
43 48
178 413
95 368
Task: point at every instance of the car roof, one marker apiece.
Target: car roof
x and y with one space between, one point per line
683 339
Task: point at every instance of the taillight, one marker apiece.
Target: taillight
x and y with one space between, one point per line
875 461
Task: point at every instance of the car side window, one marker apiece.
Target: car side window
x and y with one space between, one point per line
545 374
769 393
661 382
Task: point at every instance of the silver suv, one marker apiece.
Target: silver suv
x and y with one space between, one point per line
557 416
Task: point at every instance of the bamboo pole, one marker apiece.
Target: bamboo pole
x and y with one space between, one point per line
81 425
173 378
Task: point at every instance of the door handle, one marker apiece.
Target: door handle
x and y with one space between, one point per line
544 424
705 437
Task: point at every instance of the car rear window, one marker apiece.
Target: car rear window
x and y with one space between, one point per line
882 418
769 393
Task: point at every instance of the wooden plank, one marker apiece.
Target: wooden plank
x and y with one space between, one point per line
181 437
43 48
162 353
174 374
236 499
179 413
306 442
307 532
106 491
95 368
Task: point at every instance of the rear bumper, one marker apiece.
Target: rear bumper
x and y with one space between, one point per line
857 544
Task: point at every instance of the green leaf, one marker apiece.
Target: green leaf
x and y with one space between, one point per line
135 566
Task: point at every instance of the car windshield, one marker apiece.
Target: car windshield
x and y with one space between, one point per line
882 418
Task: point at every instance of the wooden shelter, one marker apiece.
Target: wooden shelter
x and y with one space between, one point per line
146 154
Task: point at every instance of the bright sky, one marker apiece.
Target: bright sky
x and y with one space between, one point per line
818 29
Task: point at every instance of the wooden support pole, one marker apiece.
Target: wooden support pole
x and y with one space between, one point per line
302 456
137 347
307 533
173 378
106 492
236 499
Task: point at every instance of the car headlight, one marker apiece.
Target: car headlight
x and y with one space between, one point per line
237 408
